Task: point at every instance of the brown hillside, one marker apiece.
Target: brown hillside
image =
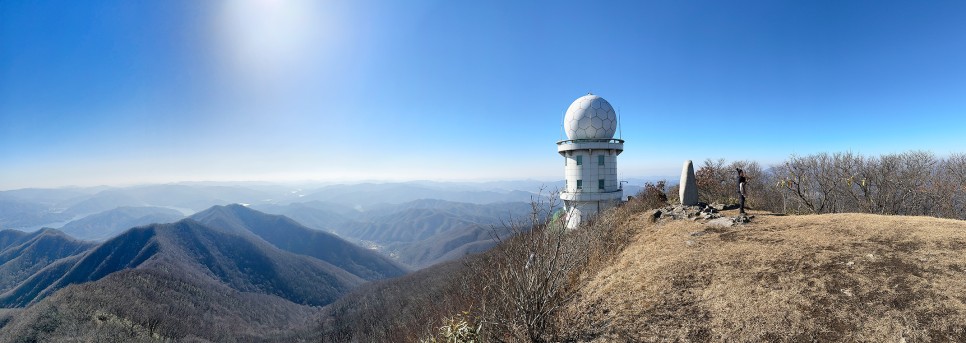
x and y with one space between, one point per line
839 277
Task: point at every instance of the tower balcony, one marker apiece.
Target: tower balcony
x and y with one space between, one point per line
582 195
590 144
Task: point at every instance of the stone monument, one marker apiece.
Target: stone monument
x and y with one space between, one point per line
688 192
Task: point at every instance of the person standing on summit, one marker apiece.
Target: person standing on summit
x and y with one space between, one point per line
741 191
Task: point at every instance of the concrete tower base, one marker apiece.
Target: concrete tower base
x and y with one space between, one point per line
583 211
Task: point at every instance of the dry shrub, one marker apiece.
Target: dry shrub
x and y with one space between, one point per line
457 329
716 183
654 195
528 278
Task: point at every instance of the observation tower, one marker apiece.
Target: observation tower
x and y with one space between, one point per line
590 156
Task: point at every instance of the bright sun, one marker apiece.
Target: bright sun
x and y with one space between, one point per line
266 39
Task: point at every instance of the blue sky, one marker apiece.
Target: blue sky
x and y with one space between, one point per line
122 92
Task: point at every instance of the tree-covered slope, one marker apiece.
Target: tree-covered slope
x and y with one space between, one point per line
291 236
23 254
241 262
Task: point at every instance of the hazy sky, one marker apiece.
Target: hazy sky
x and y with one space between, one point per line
120 92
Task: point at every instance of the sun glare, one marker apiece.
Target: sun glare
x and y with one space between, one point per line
270 40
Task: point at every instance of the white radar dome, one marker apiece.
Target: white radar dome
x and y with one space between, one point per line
590 117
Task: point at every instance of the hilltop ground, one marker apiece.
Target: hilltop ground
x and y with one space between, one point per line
838 277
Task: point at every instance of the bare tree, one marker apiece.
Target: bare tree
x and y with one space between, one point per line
911 183
715 182
954 168
534 276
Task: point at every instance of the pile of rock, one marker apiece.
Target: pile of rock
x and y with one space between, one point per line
695 212
700 212
730 221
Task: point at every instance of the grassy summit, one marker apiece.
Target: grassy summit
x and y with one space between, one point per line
835 277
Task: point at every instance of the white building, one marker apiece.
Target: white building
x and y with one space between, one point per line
590 155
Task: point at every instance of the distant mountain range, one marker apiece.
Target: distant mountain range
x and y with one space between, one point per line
16 213
426 232
225 265
418 233
315 214
227 272
418 223
288 235
231 244
31 209
362 196
107 224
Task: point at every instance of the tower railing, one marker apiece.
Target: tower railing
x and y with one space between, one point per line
575 141
585 191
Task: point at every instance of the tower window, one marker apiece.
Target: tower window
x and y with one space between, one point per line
580 183
600 183
600 160
580 160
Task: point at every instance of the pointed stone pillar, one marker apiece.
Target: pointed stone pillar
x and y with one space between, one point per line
688 192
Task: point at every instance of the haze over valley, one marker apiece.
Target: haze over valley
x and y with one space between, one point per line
417 223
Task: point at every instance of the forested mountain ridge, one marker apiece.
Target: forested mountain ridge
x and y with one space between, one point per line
223 268
239 261
192 278
424 232
23 254
158 304
289 235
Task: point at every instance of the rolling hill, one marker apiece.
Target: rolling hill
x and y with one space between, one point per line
100 202
10 237
417 233
317 207
15 213
107 224
23 254
425 232
319 215
291 236
239 261
215 278
368 194
157 304
189 197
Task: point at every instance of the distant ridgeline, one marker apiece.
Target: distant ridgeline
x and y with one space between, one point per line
227 266
237 246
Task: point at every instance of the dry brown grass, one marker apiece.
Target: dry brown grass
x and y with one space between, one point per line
838 277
